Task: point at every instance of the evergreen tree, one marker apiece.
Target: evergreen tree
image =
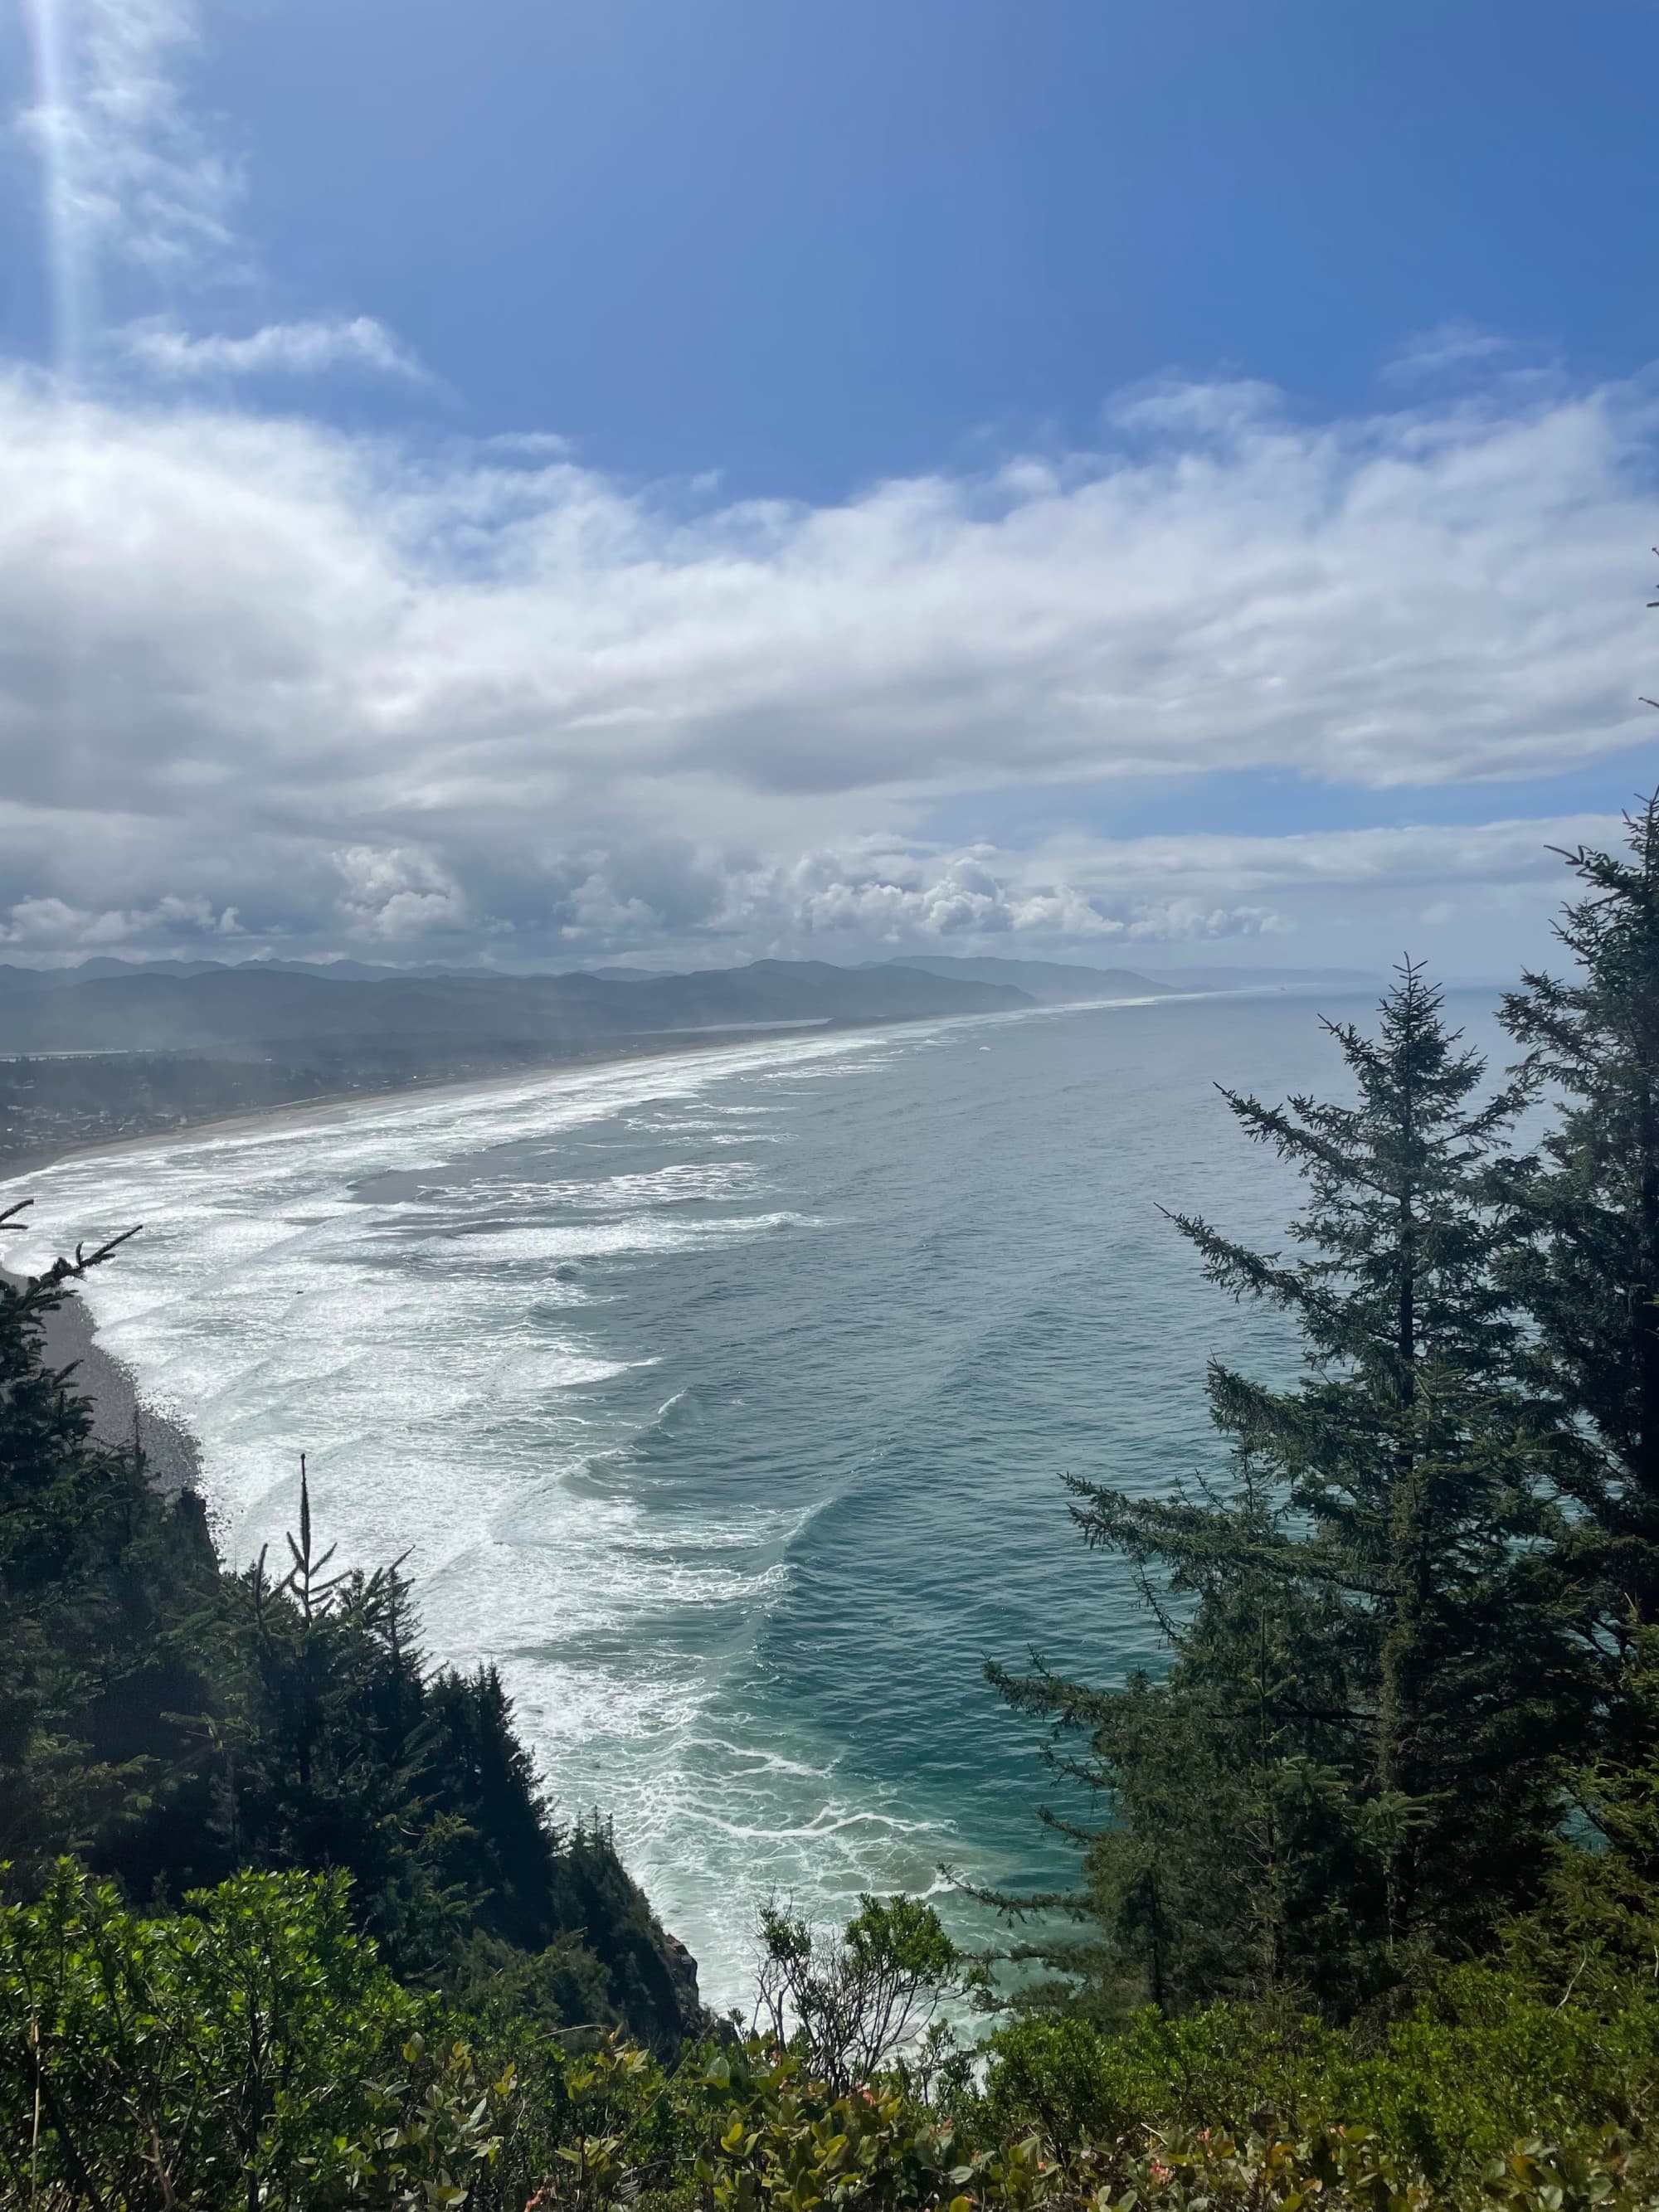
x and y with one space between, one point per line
1351 1762
1586 1210
102 1683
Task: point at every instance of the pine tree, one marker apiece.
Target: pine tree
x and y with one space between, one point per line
101 1681
1586 1210
1370 1679
1225 1865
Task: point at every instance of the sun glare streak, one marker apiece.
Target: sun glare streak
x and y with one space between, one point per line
54 125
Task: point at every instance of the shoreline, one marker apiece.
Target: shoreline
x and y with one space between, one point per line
121 1411
121 1415
663 1045
325 1102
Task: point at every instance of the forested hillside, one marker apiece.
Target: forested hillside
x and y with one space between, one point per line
169 1722
1369 1910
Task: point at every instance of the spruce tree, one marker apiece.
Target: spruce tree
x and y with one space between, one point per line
1350 1764
103 1680
1586 1211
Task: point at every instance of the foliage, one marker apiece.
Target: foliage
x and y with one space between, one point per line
170 1723
250 2050
253 2051
1372 1918
857 2006
99 1690
1585 1212
1353 1762
1484 2059
182 2059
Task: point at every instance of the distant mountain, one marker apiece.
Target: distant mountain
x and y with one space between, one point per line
268 1009
1052 983
89 971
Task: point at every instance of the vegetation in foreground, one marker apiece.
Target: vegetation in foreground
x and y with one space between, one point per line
252 2050
1371 1916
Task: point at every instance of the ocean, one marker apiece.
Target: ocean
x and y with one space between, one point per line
724 1401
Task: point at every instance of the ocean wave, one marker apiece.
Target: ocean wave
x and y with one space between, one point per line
514 1242
605 1420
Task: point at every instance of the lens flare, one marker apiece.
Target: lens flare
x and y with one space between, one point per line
55 126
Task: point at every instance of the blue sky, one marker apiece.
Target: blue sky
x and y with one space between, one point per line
631 479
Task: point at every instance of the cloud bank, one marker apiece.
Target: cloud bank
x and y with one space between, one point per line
487 698
265 683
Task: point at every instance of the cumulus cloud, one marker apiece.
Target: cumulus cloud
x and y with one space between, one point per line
543 710
401 893
308 348
882 893
51 924
327 690
1099 893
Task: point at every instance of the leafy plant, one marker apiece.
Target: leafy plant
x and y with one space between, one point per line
855 2006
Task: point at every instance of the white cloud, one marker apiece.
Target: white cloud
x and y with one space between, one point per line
266 675
53 924
1172 407
141 201
403 893
526 700
1097 894
887 893
1450 347
306 348
1505 852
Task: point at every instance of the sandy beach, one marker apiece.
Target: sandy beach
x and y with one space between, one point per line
301 1110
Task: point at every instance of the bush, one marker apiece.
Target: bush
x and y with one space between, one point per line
252 2051
187 2058
1483 2061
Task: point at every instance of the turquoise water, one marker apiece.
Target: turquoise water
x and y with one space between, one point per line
723 1400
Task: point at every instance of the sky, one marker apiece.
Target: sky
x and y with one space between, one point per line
625 480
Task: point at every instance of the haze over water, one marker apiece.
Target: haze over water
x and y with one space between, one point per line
723 1401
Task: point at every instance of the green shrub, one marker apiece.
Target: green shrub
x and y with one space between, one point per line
226 2049
1482 2062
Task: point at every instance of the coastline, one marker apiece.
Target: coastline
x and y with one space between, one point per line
328 1101
661 1045
120 1413
120 1410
